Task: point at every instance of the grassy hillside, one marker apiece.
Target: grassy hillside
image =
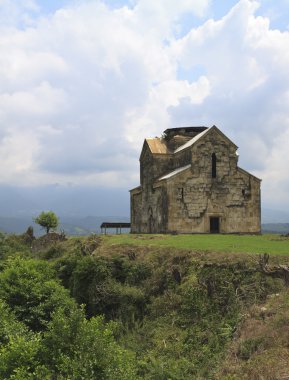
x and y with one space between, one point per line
182 307
254 244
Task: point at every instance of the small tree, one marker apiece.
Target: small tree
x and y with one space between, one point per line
47 220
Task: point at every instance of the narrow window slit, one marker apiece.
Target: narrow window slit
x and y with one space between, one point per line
214 165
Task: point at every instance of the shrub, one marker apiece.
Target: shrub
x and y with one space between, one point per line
29 288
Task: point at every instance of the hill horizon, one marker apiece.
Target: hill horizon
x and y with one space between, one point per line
85 225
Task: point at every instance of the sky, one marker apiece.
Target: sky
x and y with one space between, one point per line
83 82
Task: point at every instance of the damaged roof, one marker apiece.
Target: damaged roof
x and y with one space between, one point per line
192 141
157 146
181 130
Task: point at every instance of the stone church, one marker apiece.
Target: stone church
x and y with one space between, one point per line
190 182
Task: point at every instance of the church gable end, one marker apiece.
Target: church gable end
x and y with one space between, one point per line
214 155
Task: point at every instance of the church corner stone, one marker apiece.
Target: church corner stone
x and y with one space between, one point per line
190 182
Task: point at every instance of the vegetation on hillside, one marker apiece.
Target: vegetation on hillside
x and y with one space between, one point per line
97 308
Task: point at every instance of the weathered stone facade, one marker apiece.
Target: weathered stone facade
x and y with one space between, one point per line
191 183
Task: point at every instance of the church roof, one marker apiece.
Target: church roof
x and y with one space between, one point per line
157 146
184 130
200 135
192 141
174 172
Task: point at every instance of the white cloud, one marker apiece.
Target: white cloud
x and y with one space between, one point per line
153 117
81 88
275 177
158 17
17 12
17 157
42 100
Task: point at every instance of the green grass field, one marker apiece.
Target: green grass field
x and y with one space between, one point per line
253 244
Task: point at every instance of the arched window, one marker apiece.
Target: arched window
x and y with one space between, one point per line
214 165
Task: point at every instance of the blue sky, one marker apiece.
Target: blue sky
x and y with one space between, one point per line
277 11
51 6
83 82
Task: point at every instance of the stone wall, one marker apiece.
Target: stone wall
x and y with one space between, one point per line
149 211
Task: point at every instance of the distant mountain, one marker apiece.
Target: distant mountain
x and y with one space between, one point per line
70 225
90 224
280 228
81 226
16 225
274 216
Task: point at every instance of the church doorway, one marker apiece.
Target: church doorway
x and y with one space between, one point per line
214 225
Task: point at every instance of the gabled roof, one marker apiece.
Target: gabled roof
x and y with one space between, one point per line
136 190
157 145
200 135
174 172
192 141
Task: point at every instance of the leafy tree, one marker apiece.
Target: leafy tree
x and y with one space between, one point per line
72 347
29 288
77 348
47 220
18 347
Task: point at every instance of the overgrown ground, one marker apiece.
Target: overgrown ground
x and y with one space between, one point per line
184 307
260 348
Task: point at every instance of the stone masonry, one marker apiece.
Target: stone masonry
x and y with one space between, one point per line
191 183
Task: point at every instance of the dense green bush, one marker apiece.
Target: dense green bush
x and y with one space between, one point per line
112 287
12 244
129 271
96 283
18 347
80 349
70 348
30 289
